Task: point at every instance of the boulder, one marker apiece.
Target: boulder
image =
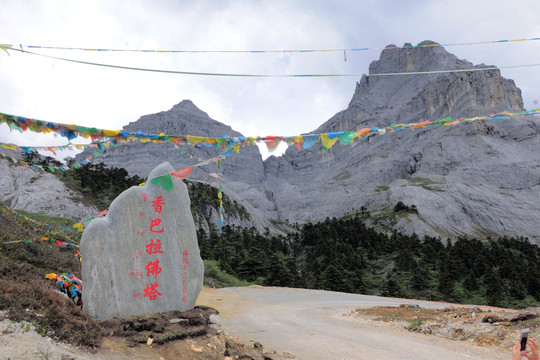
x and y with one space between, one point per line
143 257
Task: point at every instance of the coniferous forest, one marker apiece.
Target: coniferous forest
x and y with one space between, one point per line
346 255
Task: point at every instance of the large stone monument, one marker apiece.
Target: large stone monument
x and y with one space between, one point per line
143 257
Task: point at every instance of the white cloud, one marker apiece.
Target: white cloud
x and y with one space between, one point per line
110 98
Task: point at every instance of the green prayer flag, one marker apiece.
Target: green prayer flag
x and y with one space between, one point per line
165 181
346 138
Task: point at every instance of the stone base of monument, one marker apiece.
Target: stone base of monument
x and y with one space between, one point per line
143 256
176 334
161 328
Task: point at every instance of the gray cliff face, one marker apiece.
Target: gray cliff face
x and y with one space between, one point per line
469 179
32 190
382 100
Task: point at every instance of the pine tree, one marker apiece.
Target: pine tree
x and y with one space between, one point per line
332 279
494 287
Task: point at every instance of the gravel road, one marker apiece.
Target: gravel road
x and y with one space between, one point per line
311 324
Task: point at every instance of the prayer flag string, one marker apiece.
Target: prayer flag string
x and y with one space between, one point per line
271 51
224 143
177 72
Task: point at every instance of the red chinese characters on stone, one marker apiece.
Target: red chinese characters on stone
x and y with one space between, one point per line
158 203
151 291
136 273
184 275
152 268
155 223
154 247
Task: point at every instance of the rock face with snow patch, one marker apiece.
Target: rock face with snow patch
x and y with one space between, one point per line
143 257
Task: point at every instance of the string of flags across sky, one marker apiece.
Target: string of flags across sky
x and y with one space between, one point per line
103 138
162 51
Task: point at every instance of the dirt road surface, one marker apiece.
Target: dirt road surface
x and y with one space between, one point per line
311 325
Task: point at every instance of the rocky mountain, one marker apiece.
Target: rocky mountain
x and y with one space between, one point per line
477 178
32 190
243 172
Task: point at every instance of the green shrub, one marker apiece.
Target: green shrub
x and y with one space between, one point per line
214 276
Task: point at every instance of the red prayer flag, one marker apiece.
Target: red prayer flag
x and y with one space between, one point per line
183 172
104 212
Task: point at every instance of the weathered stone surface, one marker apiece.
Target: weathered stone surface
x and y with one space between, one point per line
26 188
140 244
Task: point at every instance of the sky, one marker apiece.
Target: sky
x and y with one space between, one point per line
64 92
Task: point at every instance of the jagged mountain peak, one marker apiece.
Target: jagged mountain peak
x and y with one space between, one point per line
184 118
382 100
187 105
431 56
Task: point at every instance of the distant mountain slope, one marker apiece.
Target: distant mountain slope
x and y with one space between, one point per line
477 178
243 172
26 188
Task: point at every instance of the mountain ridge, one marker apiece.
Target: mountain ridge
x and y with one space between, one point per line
468 179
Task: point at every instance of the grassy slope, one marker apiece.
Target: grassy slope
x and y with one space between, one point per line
27 296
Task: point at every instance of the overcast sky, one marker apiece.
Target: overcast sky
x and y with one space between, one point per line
65 92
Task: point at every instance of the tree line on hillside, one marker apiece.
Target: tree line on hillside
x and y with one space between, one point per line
102 184
346 255
98 182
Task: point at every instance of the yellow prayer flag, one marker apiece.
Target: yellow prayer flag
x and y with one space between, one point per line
327 141
196 139
111 133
